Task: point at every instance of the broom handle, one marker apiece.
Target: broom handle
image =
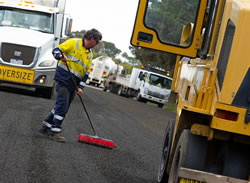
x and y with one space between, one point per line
85 109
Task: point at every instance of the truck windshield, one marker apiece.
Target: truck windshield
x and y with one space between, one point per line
160 81
27 19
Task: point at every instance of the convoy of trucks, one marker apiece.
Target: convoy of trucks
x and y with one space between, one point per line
101 68
142 84
29 30
209 141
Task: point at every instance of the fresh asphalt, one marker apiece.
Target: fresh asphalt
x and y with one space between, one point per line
136 128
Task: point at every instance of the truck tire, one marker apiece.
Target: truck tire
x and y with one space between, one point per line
162 173
190 153
119 92
111 87
236 161
104 86
46 92
138 96
160 105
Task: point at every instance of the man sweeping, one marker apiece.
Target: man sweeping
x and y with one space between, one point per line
78 55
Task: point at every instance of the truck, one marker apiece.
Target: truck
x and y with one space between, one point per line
29 30
101 68
145 86
208 141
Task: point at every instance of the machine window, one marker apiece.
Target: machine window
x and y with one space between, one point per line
167 18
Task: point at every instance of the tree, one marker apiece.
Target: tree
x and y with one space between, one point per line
110 49
131 60
157 58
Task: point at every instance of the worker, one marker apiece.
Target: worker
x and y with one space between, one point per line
78 55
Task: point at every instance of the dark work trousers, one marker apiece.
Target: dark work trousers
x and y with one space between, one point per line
64 97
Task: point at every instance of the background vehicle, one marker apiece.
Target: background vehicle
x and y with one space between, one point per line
101 68
209 139
29 30
142 84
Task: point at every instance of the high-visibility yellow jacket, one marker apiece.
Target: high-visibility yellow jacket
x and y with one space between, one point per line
79 62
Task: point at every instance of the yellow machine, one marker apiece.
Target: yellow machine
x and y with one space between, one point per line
209 139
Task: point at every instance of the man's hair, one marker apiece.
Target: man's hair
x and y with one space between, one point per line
93 33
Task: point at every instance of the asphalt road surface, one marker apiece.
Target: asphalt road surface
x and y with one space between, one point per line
26 157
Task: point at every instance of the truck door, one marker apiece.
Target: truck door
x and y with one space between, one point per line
138 80
160 25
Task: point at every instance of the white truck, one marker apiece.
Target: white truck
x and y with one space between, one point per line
142 84
101 68
29 30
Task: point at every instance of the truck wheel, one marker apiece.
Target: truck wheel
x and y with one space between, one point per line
129 93
111 87
45 92
190 152
104 86
119 92
160 105
236 161
138 96
162 172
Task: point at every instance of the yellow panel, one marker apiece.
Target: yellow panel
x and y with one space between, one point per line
231 126
182 180
239 126
238 11
16 74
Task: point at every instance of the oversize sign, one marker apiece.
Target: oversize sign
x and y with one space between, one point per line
16 74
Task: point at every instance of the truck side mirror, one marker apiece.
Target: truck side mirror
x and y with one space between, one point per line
68 26
58 23
142 77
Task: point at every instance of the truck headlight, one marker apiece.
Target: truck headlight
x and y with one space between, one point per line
47 63
146 91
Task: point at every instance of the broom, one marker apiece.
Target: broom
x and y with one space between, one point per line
91 139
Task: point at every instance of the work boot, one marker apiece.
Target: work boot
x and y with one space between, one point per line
56 137
44 130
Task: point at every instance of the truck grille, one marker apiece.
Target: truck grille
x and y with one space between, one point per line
154 94
18 52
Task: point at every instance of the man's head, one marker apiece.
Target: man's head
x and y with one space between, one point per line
92 38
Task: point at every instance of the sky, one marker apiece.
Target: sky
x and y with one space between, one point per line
113 18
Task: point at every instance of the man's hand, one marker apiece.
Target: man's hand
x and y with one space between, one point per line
63 58
79 91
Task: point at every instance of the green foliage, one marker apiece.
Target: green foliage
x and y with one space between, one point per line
167 106
110 49
131 60
157 58
127 67
170 107
169 16
77 34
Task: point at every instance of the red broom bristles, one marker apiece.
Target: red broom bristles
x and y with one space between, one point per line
96 141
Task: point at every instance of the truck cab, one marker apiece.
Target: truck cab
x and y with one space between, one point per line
153 87
28 33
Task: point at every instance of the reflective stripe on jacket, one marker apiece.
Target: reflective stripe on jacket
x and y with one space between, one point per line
79 62
79 58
